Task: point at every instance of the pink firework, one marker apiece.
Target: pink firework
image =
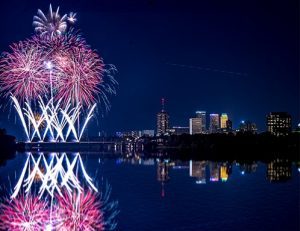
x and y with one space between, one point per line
23 72
79 212
81 73
24 213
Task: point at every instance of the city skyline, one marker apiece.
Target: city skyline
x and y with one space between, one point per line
233 57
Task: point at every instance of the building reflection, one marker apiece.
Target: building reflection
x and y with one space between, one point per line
214 171
162 172
248 167
279 170
198 170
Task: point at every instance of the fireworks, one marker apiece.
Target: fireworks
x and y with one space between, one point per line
79 212
81 74
24 213
23 73
56 66
50 25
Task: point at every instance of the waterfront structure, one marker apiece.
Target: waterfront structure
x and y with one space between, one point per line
279 123
214 123
162 120
178 130
223 120
198 170
149 133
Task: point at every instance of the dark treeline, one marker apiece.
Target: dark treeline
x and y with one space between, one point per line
8 146
240 146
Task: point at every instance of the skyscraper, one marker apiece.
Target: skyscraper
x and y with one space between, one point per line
195 126
214 123
162 119
202 115
279 123
223 120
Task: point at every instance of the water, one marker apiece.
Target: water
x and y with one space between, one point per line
162 195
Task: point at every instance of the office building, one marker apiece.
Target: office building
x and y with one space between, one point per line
279 123
195 126
162 120
202 115
214 123
223 120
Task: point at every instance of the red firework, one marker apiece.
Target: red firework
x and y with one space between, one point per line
79 212
24 213
80 75
23 73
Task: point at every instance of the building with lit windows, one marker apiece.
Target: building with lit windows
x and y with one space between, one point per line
214 123
202 115
223 120
162 120
279 123
195 126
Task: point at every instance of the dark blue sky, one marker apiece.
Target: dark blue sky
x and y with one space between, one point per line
259 39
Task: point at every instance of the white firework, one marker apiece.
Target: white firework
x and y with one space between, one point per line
52 24
72 17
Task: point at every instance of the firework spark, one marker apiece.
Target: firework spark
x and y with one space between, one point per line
24 213
81 74
23 73
50 25
78 212
72 17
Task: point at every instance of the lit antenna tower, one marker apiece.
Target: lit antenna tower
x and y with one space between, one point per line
162 120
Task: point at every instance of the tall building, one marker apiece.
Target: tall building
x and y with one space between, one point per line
202 115
195 126
229 125
279 123
214 123
223 120
162 119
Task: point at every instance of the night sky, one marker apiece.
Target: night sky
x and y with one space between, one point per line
238 57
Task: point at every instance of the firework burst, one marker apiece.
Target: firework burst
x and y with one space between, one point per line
78 212
50 25
23 73
24 213
81 74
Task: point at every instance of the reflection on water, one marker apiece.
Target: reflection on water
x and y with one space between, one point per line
279 170
153 193
55 192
